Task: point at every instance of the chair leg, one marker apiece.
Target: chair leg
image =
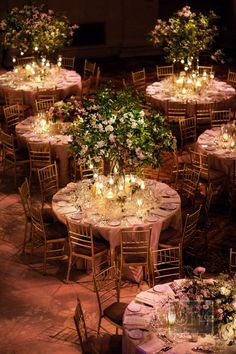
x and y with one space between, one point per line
45 260
69 268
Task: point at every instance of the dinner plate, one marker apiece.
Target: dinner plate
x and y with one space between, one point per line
210 148
161 288
76 216
152 218
114 223
169 206
133 307
62 203
135 333
170 192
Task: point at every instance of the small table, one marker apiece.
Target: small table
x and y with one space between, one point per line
66 83
159 93
220 157
27 132
106 216
146 330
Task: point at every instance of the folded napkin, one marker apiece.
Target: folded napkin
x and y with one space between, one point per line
68 209
153 345
147 297
134 220
137 321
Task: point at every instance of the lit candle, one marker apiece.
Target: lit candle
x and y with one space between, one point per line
132 179
142 185
111 181
36 48
121 187
110 195
139 202
115 170
13 59
225 137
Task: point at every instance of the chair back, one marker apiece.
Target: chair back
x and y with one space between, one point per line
135 247
47 94
189 183
8 146
139 79
89 69
231 79
38 228
188 134
97 79
190 226
44 105
176 110
80 325
151 173
80 239
25 197
207 69
218 118
86 87
68 63
40 155
232 260
48 181
166 263
199 161
203 112
24 60
87 171
107 286
12 117
207 203
164 71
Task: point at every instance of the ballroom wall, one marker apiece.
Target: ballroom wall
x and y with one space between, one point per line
120 27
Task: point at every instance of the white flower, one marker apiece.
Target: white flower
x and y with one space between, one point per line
109 128
134 125
112 138
225 291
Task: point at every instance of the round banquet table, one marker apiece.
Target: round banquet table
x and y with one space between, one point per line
159 93
27 132
146 331
161 208
219 158
66 83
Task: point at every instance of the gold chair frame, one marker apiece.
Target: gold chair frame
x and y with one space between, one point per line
40 156
164 71
68 63
48 182
139 79
220 117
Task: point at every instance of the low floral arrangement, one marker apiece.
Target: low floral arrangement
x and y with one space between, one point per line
35 29
185 35
222 290
116 128
65 111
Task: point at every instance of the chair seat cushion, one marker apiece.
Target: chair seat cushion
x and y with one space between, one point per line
56 230
115 312
170 236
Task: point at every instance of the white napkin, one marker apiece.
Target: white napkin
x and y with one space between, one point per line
152 345
137 321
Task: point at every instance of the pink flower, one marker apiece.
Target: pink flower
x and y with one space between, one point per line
199 270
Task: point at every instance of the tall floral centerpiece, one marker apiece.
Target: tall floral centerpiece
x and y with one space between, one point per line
114 127
184 36
35 29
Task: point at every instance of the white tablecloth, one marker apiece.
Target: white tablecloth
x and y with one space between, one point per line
66 82
59 145
64 205
218 91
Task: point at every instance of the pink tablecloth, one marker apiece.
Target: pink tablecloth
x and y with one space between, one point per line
112 234
224 95
66 82
59 146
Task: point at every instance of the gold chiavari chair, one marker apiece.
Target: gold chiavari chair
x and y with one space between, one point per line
220 117
12 117
176 110
88 171
95 344
53 237
12 157
172 238
16 97
25 197
68 63
86 87
40 156
166 263
164 71
24 60
203 114
231 78
189 186
208 69
82 245
135 250
89 69
44 105
48 94
139 79
188 134
151 173
48 182
232 260
107 287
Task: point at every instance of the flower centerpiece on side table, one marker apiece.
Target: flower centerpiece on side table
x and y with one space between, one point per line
115 128
35 29
220 289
